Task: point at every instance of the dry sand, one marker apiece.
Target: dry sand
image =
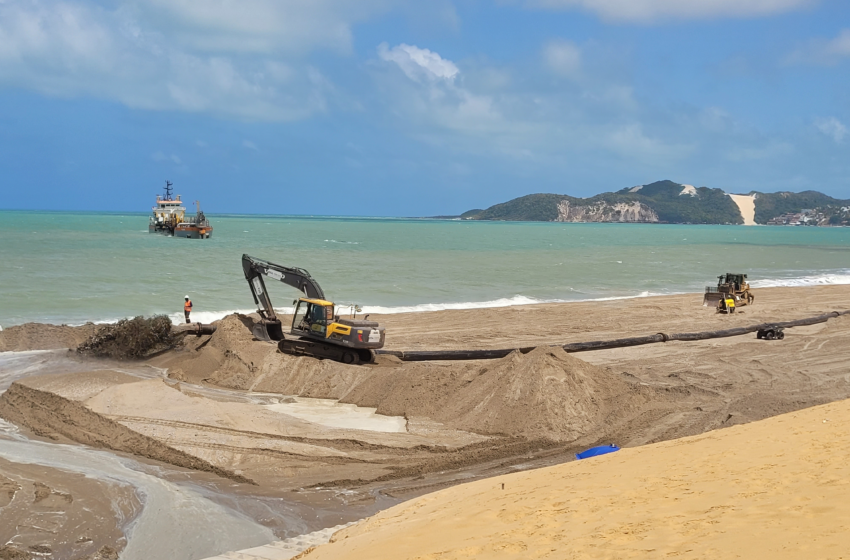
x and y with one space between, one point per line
774 489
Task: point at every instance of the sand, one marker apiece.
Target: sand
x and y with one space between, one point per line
747 206
771 489
221 408
39 336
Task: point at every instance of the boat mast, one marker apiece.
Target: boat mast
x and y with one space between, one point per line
168 190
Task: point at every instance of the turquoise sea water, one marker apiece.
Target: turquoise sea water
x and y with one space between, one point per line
74 267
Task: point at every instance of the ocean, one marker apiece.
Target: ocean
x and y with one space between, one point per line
74 267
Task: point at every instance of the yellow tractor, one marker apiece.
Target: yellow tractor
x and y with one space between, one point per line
730 288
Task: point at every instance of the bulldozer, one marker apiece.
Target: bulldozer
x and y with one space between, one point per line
316 330
729 286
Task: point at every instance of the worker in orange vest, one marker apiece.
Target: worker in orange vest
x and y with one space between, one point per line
187 308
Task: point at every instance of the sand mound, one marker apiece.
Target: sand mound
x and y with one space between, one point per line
546 394
232 358
40 336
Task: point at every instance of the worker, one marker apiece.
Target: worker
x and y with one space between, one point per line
187 308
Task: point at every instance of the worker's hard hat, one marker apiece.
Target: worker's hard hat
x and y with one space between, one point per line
187 297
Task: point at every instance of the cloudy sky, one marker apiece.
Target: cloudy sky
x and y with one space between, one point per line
413 108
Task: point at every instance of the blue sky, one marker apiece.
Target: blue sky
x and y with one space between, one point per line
410 108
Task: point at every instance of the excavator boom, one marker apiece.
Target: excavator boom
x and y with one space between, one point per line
298 278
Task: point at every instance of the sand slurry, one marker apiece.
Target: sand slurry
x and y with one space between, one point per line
771 489
46 512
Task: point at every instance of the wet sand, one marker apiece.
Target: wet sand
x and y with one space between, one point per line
222 409
53 513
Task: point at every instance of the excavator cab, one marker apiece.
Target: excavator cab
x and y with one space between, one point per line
312 317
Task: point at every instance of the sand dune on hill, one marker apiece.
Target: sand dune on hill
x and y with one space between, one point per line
747 205
775 489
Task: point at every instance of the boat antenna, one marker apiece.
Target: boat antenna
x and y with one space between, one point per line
168 190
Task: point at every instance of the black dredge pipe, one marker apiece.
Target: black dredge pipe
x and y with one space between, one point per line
428 355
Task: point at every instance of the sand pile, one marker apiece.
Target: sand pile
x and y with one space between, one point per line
546 394
232 358
40 336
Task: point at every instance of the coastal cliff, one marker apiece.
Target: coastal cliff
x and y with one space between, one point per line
602 212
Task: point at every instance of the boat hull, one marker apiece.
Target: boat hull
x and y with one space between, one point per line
193 232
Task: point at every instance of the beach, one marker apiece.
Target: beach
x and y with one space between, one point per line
349 441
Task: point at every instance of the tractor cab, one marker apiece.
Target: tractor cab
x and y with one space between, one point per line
731 282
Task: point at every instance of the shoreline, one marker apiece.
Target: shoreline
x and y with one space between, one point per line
839 277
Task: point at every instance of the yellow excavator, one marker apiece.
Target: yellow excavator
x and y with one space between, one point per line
316 330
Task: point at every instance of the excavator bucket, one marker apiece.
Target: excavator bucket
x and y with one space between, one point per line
269 331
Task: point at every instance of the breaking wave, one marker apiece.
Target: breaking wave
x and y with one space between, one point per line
825 279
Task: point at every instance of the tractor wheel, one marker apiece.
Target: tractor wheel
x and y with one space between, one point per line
780 335
770 335
349 357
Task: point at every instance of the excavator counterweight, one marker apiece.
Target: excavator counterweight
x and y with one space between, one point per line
315 331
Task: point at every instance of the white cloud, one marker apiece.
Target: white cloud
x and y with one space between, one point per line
250 145
563 58
219 57
259 26
646 11
823 51
419 64
832 127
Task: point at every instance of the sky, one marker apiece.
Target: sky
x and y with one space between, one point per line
412 108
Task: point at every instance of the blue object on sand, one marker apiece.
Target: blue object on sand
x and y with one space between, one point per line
600 450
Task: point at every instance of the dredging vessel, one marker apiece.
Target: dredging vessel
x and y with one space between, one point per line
168 217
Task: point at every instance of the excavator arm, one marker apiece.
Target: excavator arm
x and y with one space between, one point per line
298 278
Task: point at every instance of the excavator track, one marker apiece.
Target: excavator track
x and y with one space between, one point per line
316 349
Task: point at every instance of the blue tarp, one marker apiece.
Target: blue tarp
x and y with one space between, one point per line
594 451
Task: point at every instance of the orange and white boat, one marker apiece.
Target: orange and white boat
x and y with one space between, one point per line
168 217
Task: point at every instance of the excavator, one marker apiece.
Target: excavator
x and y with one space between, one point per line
316 331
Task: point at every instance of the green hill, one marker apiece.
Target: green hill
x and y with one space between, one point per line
662 201
771 205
